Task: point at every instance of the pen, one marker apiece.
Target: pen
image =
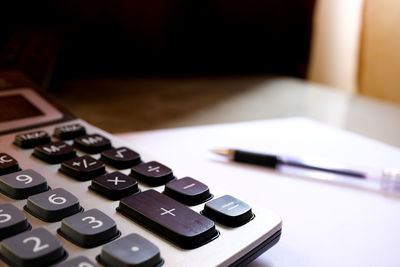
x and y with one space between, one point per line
273 161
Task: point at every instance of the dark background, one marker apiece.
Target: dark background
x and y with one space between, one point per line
55 41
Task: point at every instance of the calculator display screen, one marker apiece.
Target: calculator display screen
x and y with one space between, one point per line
14 107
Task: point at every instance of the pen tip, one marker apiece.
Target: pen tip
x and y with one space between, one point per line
223 152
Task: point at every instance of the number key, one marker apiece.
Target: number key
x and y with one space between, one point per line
33 248
12 221
89 229
80 261
53 205
22 184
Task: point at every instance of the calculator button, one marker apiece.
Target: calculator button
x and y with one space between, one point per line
89 229
79 261
33 248
53 205
115 185
229 211
169 218
69 132
54 152
131 250
83 168
152 173
187 191
92 143
32 139
12 221
120 158
22 184
8 164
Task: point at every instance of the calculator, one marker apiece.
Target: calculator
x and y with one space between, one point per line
72 194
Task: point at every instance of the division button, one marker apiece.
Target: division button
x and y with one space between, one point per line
83 168
92 143
22 184
68 132
115 185
12 221
131 250
89 229
54 152
228 210
79 261
8 164
32 248
152 173
120 158
53 205
32 139
169 218
187 191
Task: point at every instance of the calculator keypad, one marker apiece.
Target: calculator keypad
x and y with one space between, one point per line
89 229
32 139
115 185
33 248
92 143
131 250
8 164
152 173
83 168
120 158
12 221
22 184
53 205
54 152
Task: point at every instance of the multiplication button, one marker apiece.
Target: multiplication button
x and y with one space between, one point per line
228 210
12 221
33 248
92 143
8 164
120 158
54 152
32 139
22 184
152 173
89 229
131 250
115 185
53 205
83 168
68 132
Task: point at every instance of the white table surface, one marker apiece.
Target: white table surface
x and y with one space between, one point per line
324 223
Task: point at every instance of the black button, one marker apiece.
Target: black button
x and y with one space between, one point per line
120 158
228 210
8 164
152 173
33 248
188 191
79 261
92 143
83 168
54 152
130 250
12 221
68 132
115 185
22 184
32 139
89 229
53 205
169 218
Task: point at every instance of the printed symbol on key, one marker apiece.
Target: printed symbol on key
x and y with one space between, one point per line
85 163
167 212
116 181
3 159
119 153
92 140
189 186
153 169
53 149
229 206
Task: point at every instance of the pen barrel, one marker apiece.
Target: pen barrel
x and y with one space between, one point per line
265 160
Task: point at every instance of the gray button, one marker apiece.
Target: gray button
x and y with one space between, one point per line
22 184
33 248
53 205
80 261
89 229
12 221
131 250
